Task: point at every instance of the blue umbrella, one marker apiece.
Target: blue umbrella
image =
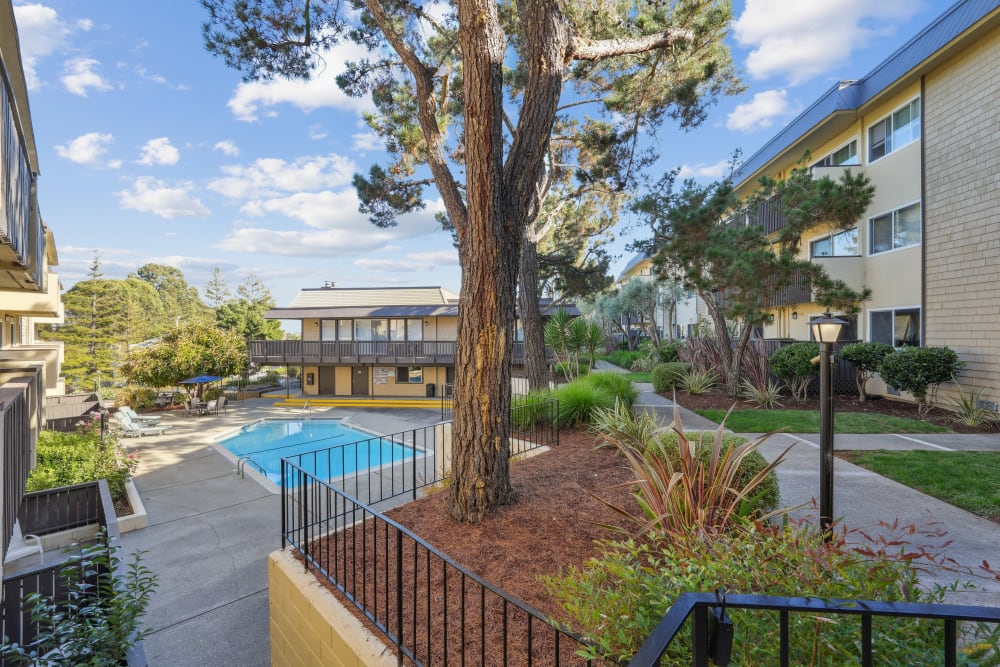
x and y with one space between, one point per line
201 379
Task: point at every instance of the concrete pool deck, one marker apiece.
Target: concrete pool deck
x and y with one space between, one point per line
210 531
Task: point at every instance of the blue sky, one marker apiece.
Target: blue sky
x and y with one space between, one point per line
152 150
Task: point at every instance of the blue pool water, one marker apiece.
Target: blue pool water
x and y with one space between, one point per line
323 447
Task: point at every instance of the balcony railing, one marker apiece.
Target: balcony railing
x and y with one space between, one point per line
389 352
799 291
22 236
20 403
44 513
715 644
768 214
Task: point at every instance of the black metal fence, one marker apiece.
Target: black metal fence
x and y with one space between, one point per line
429 607
713 640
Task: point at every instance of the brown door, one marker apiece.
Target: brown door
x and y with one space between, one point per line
326 385
359 381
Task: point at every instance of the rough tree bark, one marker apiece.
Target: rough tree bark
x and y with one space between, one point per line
531 316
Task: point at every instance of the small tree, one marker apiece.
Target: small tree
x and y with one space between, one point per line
196 349
866 359
794 364
920 371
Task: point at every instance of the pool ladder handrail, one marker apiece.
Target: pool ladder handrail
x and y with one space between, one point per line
306 410
242 464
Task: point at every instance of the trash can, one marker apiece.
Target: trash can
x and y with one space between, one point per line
430 389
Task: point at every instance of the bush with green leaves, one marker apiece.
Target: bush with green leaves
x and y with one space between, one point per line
616 599
920 371
669 352
616 384
794 364
622 358
526 410
90 625
866 358
765 397
578 400
669 376
74 458
135 396
966 408
697 383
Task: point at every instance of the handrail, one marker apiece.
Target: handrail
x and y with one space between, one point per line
699 604
243 462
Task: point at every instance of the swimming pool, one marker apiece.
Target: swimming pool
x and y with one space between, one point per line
267 441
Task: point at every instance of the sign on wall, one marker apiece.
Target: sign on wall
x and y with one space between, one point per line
381 374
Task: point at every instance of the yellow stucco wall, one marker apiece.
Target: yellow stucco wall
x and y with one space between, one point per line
310 627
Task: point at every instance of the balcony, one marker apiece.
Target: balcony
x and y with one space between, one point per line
34 301
22 235
347 352
797 292
47 354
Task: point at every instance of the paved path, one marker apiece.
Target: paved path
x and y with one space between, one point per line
209 535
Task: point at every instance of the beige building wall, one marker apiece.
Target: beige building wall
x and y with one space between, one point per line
962 216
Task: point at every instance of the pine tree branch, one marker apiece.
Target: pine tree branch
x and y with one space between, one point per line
590 49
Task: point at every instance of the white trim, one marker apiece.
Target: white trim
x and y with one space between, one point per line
870 236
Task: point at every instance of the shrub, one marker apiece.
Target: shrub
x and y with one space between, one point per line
74 458
616 599
793 364
965 409
135 396
578 400
89 625
765 397
866 358
920 370
698 383
669 352
615 384
691 481
622 358
643 364
667 377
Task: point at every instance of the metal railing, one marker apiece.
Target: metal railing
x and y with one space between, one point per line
429 607
361 351
706 642
42 513
18 415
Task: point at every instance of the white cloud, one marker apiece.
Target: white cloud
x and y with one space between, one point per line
143 73
704 171
317 132
42 33
303 243
227 147
85 24
760 112
411 262
150 195
367 141
159 151
79 76
268 177
799 40
251 99
85 149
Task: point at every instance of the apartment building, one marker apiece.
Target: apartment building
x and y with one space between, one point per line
687 312
924 127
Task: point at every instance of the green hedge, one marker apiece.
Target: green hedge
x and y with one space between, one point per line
667 377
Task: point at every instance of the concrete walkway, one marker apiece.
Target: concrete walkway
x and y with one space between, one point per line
210 532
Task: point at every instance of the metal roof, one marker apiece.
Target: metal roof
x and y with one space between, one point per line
334 297
848 96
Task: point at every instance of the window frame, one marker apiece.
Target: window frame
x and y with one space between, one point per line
893 310
893 215
889 122
409 374
829 156
830 237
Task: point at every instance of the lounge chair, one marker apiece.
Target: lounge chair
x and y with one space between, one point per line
141 420
133 430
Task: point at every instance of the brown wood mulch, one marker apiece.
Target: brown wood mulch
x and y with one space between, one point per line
555 523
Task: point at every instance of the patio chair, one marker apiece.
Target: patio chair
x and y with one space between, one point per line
221 405
209 407
141 420
133 430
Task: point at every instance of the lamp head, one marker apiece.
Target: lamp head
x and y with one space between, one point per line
827 328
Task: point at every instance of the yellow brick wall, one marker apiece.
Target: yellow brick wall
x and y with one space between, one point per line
962 210
309 627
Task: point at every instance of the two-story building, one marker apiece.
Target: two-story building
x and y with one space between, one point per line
679 322
924 127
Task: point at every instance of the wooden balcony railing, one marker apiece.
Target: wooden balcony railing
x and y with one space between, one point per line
43 513
799 291
388 352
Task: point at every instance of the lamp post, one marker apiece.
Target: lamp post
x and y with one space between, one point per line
826 329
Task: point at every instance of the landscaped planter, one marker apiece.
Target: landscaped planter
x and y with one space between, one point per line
137 519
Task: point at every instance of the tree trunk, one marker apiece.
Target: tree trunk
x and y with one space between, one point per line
722 334
735 375
531 317
489 251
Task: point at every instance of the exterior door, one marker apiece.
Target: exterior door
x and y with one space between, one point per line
359 381
326 383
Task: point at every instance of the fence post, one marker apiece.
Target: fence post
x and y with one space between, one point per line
304 501
413 445
399 596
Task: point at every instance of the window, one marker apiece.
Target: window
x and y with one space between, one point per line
841 244
370 329
846 156
899 327
894 131
345 330
328 330
898 229
409 375
411 329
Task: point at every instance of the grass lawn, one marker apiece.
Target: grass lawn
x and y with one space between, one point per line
807 421
968 480
645 376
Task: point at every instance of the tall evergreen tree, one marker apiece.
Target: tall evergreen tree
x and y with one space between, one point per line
216 290
440 76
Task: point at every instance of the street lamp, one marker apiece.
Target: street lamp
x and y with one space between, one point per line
826 329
